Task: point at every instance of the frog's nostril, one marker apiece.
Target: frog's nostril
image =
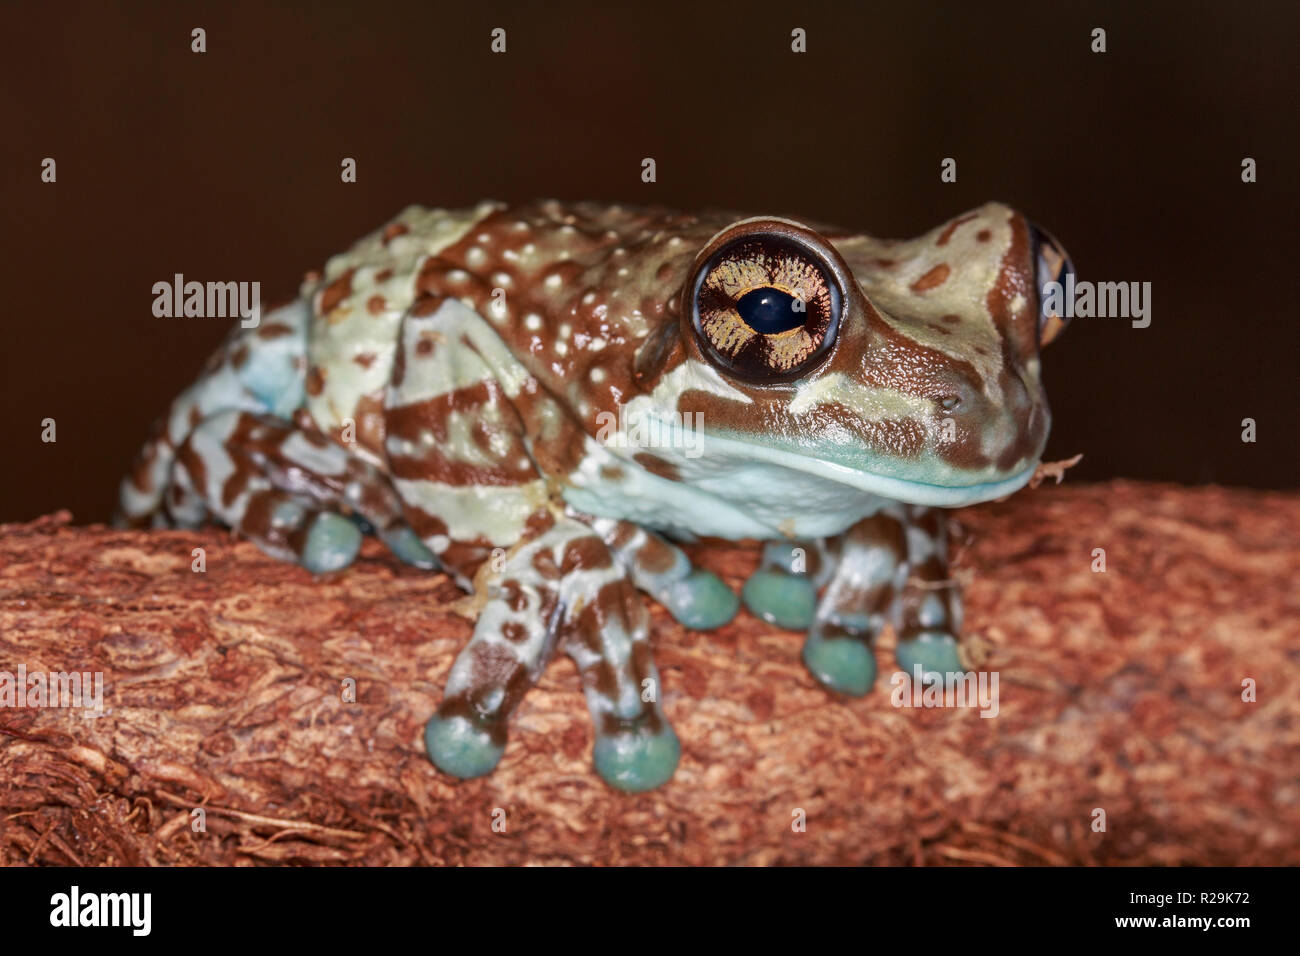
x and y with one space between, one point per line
770 311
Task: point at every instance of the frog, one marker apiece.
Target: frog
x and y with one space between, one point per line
549 401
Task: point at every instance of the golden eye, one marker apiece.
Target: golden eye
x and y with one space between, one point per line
766 307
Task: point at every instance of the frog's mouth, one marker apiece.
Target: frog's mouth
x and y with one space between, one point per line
931 482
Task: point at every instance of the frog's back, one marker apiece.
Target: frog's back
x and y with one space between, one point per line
565 287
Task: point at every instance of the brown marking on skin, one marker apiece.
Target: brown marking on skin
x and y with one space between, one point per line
935 277
466 557
886 263
426 305
375 305
432 465
192 462
239 357
538 523
424 347
657 466
398 374
383 275
585 554
370 417
336 292
273 330
612 473
622 534
195 416
1016 277
544 564
364 359
424 524
983 235
935 326
950 319
952 227
430 415
257 522
656 354
315 381
513 595
514 632
656 556
496 667
393 230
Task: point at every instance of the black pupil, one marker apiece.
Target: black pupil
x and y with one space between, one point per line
770 311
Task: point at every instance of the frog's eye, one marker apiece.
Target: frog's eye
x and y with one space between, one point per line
766 307
1052 264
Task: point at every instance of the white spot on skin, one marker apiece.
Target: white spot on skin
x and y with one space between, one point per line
532 322
476 257
588 297
596 344
598 375
553 281
501 278
561 348
564 331
458 275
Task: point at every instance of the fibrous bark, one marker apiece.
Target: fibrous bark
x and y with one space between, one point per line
1119 690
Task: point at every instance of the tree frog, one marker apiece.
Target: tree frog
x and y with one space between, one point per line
545 400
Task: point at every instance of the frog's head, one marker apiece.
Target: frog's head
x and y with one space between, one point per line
907 370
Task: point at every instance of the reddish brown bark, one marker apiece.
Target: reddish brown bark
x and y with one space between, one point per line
1119 690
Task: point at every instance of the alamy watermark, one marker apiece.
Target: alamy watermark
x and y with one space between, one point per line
208 300
1085 300
78 690
955 689
682 431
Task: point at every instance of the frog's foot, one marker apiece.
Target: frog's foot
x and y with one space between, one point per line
783 591
697 598
608 638
929 609
863 578
561 587
293 492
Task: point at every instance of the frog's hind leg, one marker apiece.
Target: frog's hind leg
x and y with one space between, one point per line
697 598
562 587
260 370
290 490
929 609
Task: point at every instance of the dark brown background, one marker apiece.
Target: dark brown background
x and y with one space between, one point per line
225 166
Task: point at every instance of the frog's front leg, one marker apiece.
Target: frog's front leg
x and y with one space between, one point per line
890 567
697 598
561 589
929 608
